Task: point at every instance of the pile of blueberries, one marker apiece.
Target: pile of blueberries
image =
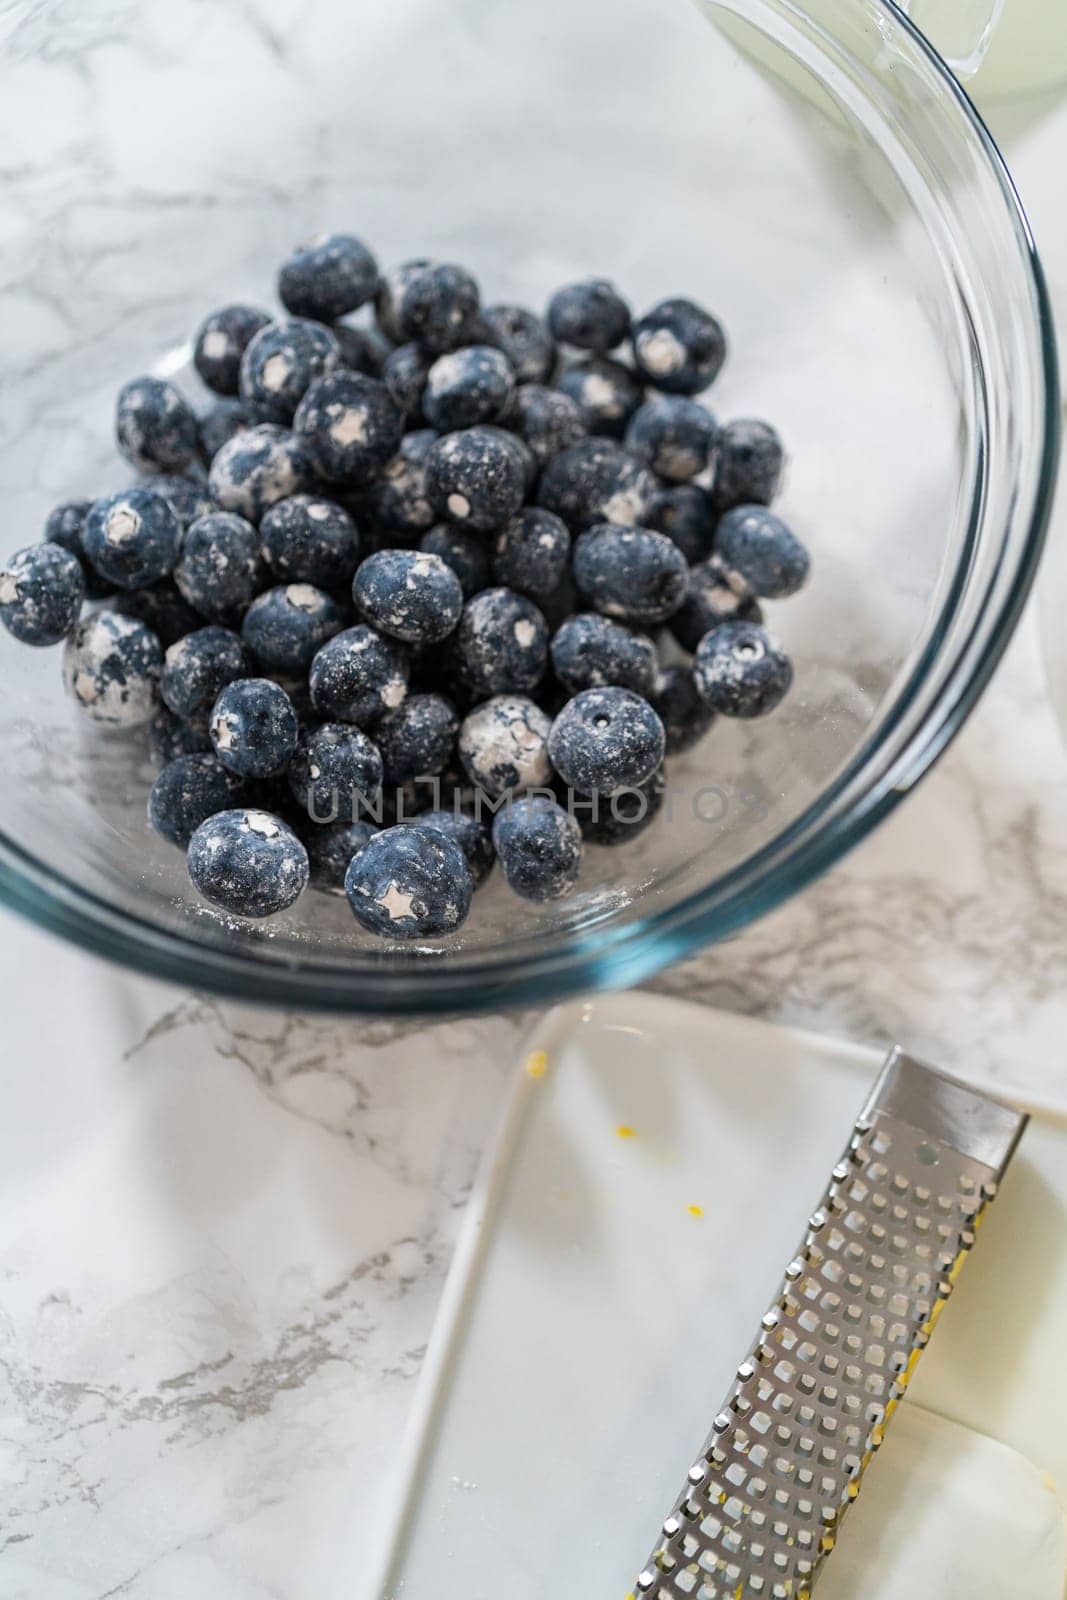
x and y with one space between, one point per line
418 593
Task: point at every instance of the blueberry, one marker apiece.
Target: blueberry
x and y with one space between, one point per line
596 480
539 846
187 496
610 819
531 553
258 467
464 552
592 652
591 314
686 718
466 386
475 478
520 450
472 835
328 278
606 393
764 552
418 738
673 435
162 607
330 849
247 862
408 595
398 501
111 665
198 667
410 882
678 347
503 745
154 428
713 595
254 728
683 512
362 349
218 568
132 538
190 789
436 306
630 573
358 676
525 340
65 526
336 773
285 627
501 644
170 736
546 420
306 539
404 375
223 422
748 469
349 426
281 363
741 671
391 286
606 739
41 592
222 340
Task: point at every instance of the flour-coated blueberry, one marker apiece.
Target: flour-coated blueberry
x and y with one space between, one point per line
678 346
258 467
503 745
358 676
673 435
404 374
619 818
473 836
330 849
437 305
546 420
713 595
630 573
349 426
501 644
606 739
524 338
154 426
219 568
596 480
286 626
187 495
221 340
308 539
132 538
749 463
248 862
198 667
170 736
590 651
336 774
362 349
41 592
222 422
763 550
531 551
65 525
591 315
398 500
683 512
162 607
190 789
408 595
475 478
410 882
327 278
741 671
606 392
463 387
111 666
539 846
281 363
391 286
418 738
685 716
254 728
466 553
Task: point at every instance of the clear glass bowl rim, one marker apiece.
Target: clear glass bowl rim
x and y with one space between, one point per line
606 958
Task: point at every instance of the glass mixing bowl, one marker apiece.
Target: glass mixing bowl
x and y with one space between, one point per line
811 172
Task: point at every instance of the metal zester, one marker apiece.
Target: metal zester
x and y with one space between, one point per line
808 1409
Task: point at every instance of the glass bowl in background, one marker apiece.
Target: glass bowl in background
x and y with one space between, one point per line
811 173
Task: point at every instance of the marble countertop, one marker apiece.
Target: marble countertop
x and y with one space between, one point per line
224 1231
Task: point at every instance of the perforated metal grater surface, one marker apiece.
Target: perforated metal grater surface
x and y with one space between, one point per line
785 1459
